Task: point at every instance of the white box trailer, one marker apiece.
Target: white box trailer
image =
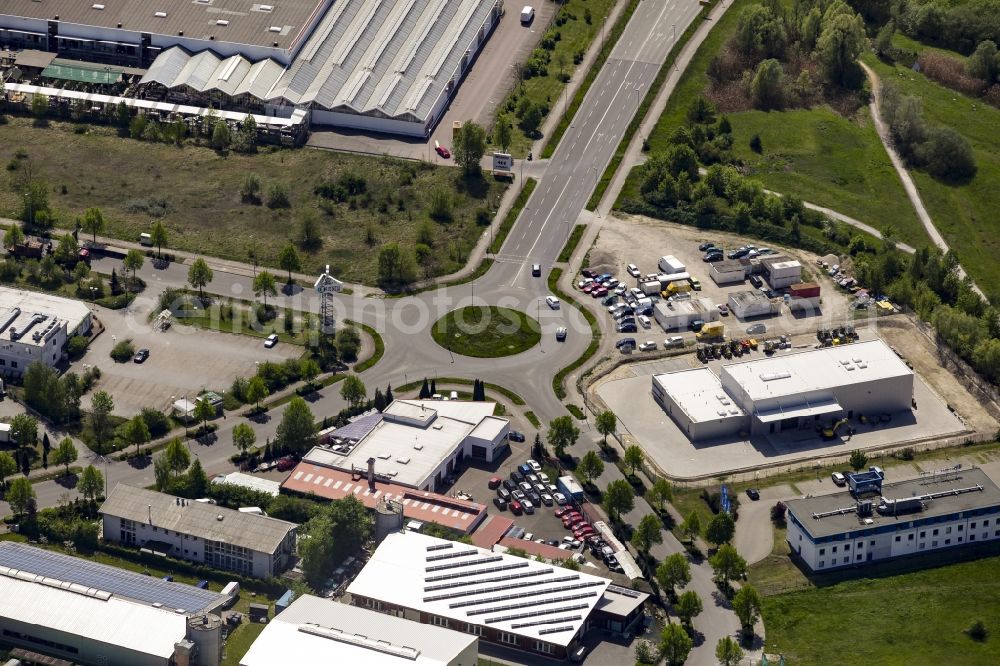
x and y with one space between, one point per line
666 278
650 288
670 264
4 432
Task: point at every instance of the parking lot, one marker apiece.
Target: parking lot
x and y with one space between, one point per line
182 361
642 242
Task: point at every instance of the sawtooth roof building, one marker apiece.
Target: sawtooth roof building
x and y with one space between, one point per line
366 64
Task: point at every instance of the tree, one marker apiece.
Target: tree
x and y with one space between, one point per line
264 285
947 154
388 394
728 564
243 437
136 432
660 493
133 262
67 249
425 391
297 430
395 267
46 445
675 645
984 62
308 369
883 40
691 525
562 433
221 136
470 146
348 343
353 390
647 533
339 529
634 457
309 233
39 105
746 605
20 493
158 234
619 498
8 466
673 572
721 528
606 423
289 260
35 207
531 118
91 483
199 275
176 457
858 460
378 400
840 43
203 411
256 391
768 86
502 132
65 454
728 652
13 237
590 465
688 607
24 429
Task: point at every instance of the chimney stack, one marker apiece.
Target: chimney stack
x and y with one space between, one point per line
371 474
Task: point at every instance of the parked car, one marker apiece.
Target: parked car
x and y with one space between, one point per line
547 499
517 494
753 494
561 511
534 465
627 327
271 340
633 270
494 483
839 479
516 476
625 342
705 247
756 281
587 273
561 334
696 325
500 503
756 329
509 485
644 321
528 506
552 302
285 464
589 287
648 345
516 508
673 341
442 151
600 292
695 283
609 300
536 270
515 436
559 498
712 257
141 356
611 283
723 309
525 487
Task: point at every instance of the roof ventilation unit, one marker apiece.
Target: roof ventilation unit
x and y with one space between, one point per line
160 14
97 7
222 22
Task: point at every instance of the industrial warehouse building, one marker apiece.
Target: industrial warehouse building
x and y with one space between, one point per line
677 315
365 64
951 509
83 612
415 443
753 303
35 326
514 602
786 392
321 632
249 544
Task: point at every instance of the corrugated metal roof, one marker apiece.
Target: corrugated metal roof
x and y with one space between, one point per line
251 531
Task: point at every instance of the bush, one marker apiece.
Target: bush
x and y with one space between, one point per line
977 631
277 196
778 514
123 351
156 421
947 154
77 346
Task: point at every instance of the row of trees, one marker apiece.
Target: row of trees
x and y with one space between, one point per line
956 26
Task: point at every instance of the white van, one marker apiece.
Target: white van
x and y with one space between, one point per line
527 14
553 302
146 239
674 341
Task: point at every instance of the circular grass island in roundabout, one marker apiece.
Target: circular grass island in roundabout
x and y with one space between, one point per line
486 331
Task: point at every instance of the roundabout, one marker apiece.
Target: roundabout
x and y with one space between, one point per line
486 332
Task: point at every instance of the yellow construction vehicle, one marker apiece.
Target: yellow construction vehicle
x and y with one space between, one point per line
713 330
831 432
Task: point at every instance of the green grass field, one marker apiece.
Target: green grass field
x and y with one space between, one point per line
130 181
902 620
964 214
486 332
815 154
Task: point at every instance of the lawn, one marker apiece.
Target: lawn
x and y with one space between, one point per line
965 214
486 332
195 191
815 154
912 618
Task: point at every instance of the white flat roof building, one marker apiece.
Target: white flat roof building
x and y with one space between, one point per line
320 632
249 481
34 326
787 391
416 443
502 598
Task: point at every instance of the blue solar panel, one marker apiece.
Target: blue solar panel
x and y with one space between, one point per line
359 428
120 582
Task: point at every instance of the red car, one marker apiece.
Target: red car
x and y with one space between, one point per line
599 292
573 523
589 287
582 532
561 511
442 151
494 483
516 508
285 464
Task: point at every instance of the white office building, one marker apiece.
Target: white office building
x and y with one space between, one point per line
320 632
35 326
416 443
247 543
948 510
787 392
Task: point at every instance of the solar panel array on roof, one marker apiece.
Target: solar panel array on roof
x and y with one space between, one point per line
120 582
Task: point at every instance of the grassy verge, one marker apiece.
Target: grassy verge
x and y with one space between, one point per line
572 242
576 412
965 214
239 642
507 393
376 340
924 623
575 36
533 419
196 192
616 31
486 332
640 114
595 334
512 215
481 270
